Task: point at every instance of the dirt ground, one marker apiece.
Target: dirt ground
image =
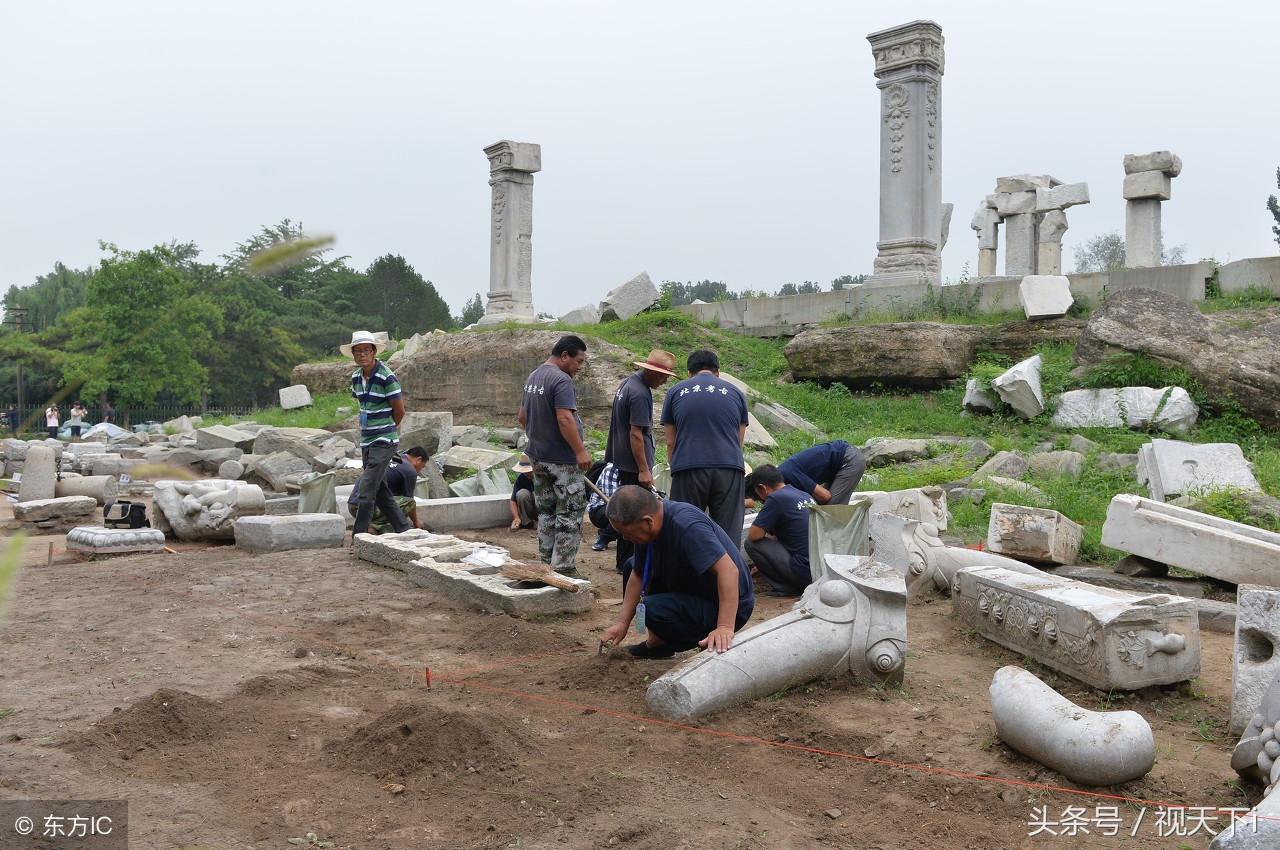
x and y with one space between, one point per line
241 701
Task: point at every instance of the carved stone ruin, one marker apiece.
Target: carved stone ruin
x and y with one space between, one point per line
204 510
1255 662
1257 757
1106 638
1033 534
909 68
511 169
96 540
851 621
934 564
1147 181
1031 208
1088 747
1174 468
282 533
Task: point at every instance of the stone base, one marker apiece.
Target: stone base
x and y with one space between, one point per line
111 541
283 533
922 280
470 512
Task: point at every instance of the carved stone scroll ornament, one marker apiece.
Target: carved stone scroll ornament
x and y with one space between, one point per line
934 563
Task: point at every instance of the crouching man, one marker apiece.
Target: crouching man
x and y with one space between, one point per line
690 577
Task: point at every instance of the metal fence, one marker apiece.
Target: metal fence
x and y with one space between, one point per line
32 418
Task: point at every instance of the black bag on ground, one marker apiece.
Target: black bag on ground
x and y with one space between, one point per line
125 514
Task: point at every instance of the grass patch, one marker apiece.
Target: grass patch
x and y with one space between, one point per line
1252 297
323 411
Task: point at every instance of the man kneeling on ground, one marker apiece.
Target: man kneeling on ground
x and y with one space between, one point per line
401 479
778 539
694 585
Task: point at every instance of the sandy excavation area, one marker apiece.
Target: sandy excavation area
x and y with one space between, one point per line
244 701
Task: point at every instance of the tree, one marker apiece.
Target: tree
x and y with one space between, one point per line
703 290
49 297
255 354
847 280
403 302
472 313
1274 206
1102 253
799 289
142 328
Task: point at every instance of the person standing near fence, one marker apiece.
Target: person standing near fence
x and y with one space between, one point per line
75 419
377 390
108 413
51 420
15 419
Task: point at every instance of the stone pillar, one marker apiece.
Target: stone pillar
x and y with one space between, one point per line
1052 225
511 169
986 221
1146 184
909 67
1021 250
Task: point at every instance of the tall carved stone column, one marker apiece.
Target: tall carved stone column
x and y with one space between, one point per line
511 169
909 67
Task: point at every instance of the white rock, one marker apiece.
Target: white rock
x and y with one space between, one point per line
634 296
1147 184
294 397
975 399
1045 296
1164 161
1062 197
587 314
1020 388
1174 468
1024 183
1015 203
1033 534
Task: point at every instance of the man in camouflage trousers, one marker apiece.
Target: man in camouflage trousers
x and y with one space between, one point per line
549 415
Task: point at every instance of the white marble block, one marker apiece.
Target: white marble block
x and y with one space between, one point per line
223 437
1147 184
628 299
1255 662
1045 296
975 399
1174 468
1190 540
587 314
1015 203
1164 161
1024 183
1168 408
1062 197
1106 638
1033 534
97 540
1019 388
281 533
39 474
294 397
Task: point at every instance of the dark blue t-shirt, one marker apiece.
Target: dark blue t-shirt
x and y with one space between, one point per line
785 515
524 481
707 413
401 477
680 559
547 390
632 405
811 467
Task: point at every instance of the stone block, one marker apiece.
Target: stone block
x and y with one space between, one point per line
280 505
1255 663
1062 197
1262 272
777 418
756 437
108 464
512 437
1187 539
1005 464
337 454
633 297
39 475
1082 444
472 436
17 449
1168 408
1015 203
975 399
300 442
1106 638
1045 296
852 622
459 459
279 469
211 460
436 561
587 314
1021 245
1143 234
1019 388
110 541
1174 468
64 508
102 488
1163 161
295 396
433 480
880 451
223 437
472 512
1024 183
1147 184
433 430
1033 534
1064 463
1087 747
282 533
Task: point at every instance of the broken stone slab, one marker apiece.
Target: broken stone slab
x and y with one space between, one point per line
433 481
473 512
61 509
39 475
476 436
933 564
101 488
775 417
1106 638
975 399
1025 183
17 449
850 622
436 562
1147 184
223 437
1033 534
295 396
1015 203
1060 463
1007 464
261 534
587 314
756 437
113 541
278 469
629 299
1088 747
881 451
1255 662
1045 296
922 504
1163 161
512 437
1020 388
204 510
1194 541
433 430
459 459
337 454
1062 197
303 442
1174 468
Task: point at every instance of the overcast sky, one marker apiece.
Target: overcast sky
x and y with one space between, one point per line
733 141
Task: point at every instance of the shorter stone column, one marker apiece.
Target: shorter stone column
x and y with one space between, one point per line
1049 258
1146 184
986 221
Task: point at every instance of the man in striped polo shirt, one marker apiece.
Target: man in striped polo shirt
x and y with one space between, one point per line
375 387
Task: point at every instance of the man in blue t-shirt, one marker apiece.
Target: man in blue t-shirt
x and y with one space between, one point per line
828 472
705 419
688 573
630 444
549 415
778 539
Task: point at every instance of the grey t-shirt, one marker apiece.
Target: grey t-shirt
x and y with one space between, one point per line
547 390
632 405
